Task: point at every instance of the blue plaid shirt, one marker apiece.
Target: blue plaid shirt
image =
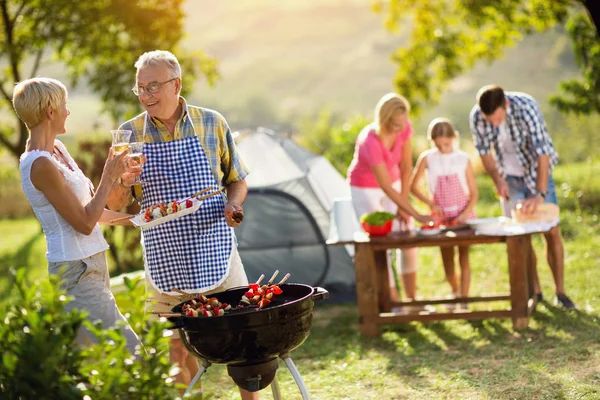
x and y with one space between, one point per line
527 130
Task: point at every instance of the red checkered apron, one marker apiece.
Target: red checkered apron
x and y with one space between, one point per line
450 196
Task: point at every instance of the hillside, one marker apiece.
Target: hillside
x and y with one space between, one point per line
284 59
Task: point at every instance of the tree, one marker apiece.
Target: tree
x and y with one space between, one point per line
447 37
97 40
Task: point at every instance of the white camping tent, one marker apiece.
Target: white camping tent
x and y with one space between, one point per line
287 214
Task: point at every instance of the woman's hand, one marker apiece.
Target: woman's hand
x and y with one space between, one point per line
115 165
424 219
403 217
436 210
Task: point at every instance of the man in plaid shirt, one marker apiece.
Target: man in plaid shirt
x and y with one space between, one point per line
512 124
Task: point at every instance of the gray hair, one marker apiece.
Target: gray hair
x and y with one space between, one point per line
160 57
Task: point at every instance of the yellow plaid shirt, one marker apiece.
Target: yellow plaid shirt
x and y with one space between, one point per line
212 131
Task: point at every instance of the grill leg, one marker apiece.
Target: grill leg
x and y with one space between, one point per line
290 364
275 389
201 371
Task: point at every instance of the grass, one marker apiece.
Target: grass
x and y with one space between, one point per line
557 357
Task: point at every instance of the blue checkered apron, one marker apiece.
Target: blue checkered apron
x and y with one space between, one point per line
190 253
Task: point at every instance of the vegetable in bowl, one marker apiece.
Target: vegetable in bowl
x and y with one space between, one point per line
377 218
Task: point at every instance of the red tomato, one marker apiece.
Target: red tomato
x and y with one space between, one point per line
431 225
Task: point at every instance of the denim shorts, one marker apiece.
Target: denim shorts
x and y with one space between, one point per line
519 191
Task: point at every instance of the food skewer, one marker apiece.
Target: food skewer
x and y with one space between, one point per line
184 295
168 315
202 191
285 278
209 195
112 221
160 302
273 277
262 276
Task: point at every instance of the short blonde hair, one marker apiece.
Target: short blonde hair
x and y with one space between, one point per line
160 57
33 97
387 107
441 127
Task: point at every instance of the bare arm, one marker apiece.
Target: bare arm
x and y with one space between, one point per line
492 170
531 204
415 181
119 197
383 180
48 179
236 195
473 194
406 169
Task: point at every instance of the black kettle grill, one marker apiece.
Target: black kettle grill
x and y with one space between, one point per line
250 340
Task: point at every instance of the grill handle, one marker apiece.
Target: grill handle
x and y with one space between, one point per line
178 321
320 294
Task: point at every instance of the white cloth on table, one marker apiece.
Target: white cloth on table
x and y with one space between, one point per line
514 228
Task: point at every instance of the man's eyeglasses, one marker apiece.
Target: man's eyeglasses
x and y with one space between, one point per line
151 88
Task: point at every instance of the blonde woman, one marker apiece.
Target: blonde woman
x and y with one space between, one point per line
67 206
379 176
453 193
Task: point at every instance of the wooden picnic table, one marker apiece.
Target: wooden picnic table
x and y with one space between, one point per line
373 289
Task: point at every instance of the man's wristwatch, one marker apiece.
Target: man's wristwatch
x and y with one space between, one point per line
540 193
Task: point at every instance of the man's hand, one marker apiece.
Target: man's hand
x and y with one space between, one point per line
502 188
234 214
530 205
132 172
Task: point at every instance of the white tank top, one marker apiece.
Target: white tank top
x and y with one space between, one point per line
64 242
439 164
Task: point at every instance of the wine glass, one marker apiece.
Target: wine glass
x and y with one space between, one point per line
120 140
136 158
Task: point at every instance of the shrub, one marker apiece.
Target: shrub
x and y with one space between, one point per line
40 360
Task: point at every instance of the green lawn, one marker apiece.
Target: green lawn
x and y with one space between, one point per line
557 357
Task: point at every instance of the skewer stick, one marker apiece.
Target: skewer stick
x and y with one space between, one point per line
159 302
285 278
262 276
209 195
273 277
184 295
169 315
202 191
112 221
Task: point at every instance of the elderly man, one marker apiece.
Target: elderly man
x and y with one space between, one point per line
187 149
513 125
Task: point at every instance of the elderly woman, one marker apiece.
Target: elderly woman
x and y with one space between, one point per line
67 206
379 176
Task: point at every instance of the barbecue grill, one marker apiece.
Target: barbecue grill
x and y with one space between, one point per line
250 340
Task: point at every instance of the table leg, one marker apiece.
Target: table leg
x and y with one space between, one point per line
366 290
518 265
383 281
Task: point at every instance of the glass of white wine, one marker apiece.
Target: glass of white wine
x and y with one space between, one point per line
120 140
136 158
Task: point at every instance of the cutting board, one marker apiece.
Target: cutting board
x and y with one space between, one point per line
546 212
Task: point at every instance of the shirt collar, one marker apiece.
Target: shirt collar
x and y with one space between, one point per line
184 113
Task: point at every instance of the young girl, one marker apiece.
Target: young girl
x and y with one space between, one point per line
451 183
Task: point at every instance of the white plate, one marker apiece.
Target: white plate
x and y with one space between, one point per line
427 232
140 222
488 224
